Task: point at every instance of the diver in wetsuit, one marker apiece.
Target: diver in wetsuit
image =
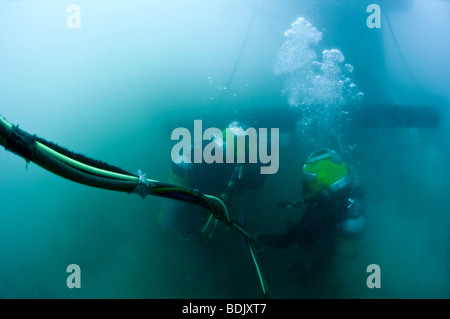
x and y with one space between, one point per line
332 209
226 180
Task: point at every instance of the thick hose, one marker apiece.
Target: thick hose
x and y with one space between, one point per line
27 146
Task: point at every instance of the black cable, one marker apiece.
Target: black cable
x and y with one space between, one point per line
238 58
26 146
399 50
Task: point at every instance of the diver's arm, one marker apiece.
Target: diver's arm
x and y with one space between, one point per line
235 178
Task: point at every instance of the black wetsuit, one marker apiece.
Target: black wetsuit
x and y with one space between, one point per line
212 179
318 229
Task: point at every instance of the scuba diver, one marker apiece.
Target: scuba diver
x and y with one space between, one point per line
224 179
332 208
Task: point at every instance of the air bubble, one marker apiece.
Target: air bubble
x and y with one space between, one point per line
317 83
